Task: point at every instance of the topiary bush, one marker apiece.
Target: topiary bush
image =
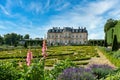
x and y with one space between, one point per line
115 45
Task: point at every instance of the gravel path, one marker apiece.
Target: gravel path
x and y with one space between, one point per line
95 60
100 60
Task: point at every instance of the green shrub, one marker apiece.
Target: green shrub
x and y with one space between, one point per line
34 72
101 70
110 56
114 76
59 67
76 74
8 72
116 54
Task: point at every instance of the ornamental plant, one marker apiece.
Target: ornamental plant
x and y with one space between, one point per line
59 67
76 74
100 71
29 58
114 76
116 54
8 71
35 71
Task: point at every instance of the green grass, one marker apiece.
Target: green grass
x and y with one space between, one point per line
110 56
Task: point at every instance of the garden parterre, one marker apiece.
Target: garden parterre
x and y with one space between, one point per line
56 53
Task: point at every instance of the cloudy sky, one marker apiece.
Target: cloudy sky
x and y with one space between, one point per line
35 17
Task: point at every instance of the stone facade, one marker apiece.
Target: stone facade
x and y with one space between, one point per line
67 36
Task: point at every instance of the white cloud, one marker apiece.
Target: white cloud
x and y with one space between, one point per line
90 16
96 36
65 5
101 7
4 10
47 5
35 7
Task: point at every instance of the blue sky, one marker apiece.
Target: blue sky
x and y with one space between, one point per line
35 17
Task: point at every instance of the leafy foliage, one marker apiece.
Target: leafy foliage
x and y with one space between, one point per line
12 39
8 71
101 70
114 76
75 53
111 57
76 74
1 40
25 45
116 55
105 43
35 72
109 24
26 36
115 44
59 67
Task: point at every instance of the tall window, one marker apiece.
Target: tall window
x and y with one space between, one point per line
52 36
80 36
80 42
76 36
73 36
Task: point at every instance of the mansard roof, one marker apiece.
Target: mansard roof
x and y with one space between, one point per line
67 29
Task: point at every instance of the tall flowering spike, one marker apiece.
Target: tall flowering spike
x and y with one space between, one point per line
44 48
29 58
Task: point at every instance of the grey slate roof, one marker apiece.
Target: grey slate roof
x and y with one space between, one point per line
58 30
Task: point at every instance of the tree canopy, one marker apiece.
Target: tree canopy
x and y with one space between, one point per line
109 24
12 39
26 36
1 40
115 46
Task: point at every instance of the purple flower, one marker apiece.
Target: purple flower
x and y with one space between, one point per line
76 74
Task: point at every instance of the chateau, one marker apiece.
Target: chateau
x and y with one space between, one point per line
67 36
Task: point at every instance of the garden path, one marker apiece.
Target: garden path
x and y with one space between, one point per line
100 60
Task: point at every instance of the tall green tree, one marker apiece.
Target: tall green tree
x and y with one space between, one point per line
26 36
115 45
1 40
105 43
12 39
25 45
109 24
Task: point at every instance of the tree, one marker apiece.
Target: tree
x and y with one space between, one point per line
25 45
109 24
12 39
105 44
1 40
20 37
115 46
26 36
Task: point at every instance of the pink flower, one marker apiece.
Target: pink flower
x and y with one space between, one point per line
44 48
29 57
